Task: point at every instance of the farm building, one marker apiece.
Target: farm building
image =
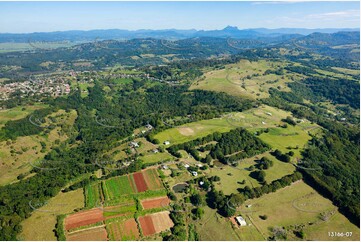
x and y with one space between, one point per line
134 144
166 142
194 173
240 220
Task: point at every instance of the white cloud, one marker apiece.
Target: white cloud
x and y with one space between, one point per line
352 13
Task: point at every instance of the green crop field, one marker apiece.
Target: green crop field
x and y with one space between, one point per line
122 208
116 187
92 195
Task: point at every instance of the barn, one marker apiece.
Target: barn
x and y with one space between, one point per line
240 220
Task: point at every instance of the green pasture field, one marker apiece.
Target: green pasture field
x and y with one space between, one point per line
18 156
231 176
287 139
213 226
41 224
347 71
244 78
295 205
18 112
151 158
252 119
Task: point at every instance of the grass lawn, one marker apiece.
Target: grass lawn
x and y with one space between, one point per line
40 225
295 205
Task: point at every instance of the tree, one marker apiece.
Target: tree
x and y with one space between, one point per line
198 212
197 199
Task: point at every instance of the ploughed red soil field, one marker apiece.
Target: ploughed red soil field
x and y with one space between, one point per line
140 182
155 223
83 218
147 226
155 202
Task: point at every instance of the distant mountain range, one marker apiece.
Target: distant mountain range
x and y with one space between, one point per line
171 34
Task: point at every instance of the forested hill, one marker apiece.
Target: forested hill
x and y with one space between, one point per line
90 35
151 51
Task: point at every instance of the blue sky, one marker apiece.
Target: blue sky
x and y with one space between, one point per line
25 17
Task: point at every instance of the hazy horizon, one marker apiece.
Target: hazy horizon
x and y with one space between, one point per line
30 17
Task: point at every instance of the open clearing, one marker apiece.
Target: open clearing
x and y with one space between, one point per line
252 119
40 225
213 227
18 113
18 156
244 78
232 176
298 204
152 158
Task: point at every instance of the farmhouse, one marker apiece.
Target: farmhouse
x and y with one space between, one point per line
134 144
240 220
166 142
194 173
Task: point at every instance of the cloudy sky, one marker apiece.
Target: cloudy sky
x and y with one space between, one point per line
20 17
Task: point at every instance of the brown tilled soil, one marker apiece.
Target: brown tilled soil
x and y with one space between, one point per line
155 202
83 218
147 226
161 221
140 182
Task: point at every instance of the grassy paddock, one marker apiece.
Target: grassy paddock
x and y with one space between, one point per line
40 225
295 205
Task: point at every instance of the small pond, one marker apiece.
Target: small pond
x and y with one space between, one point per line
181 187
